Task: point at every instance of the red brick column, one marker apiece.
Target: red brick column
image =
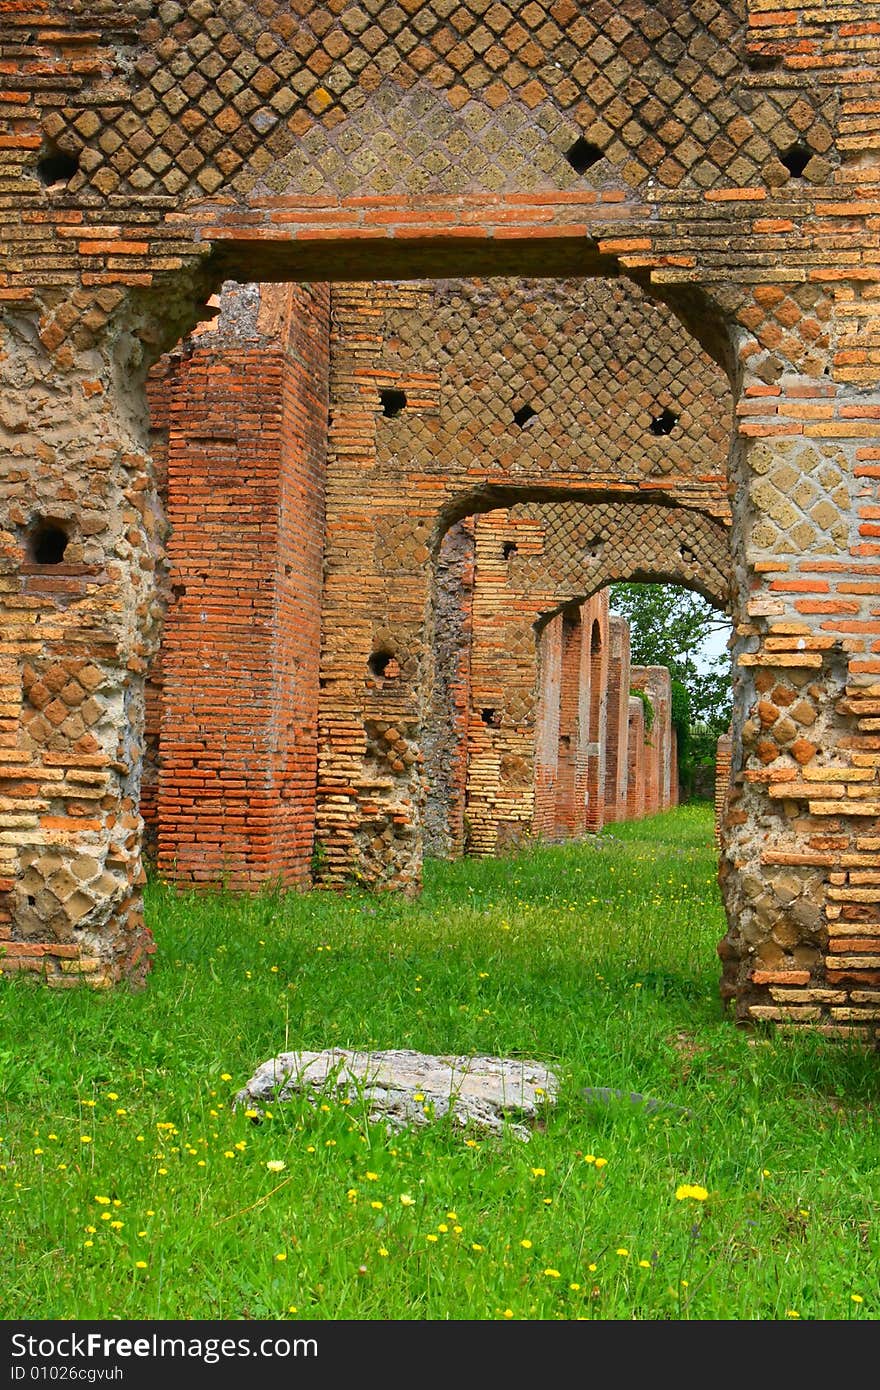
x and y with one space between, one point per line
596 617
547 730
723 761
635 795
240 652
569 744
617 719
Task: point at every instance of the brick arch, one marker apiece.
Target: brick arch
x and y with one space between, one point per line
211 140
505 576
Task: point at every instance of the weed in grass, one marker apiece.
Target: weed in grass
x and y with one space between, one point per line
131 1187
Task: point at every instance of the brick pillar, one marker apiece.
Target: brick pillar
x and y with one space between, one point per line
240 651
635 756
566 818
160 393
617 718
445 738
595 614
547 729
500 746
80 536
661 694
655 681
723 760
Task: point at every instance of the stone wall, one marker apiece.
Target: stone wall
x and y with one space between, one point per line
722 156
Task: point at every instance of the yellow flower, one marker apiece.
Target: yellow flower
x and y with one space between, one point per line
856 1298
116 1225
418 1096
552 1273
644 1264
431 1236
443 1228
621 1250
526 1244
140 1264
103 1201
538 1173
224 1076
111 1095
38 1151
87 1244
281 1255
792 1313
275 1165
372 1177
476 1247
452 1215
85 1139
508 1312
406 1200
686 1190
383 1252
601 1162
471 1143
377 1206
227 1153
589 1158
575 1288
592 1268
293 1308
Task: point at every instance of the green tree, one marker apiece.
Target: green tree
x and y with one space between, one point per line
677 628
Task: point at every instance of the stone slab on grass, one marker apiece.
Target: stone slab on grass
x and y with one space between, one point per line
486 1092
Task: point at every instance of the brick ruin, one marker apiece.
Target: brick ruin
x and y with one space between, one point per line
714 164
416 677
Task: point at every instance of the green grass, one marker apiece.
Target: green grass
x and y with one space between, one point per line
597 958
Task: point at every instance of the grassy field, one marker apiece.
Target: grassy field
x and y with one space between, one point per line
132 1189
